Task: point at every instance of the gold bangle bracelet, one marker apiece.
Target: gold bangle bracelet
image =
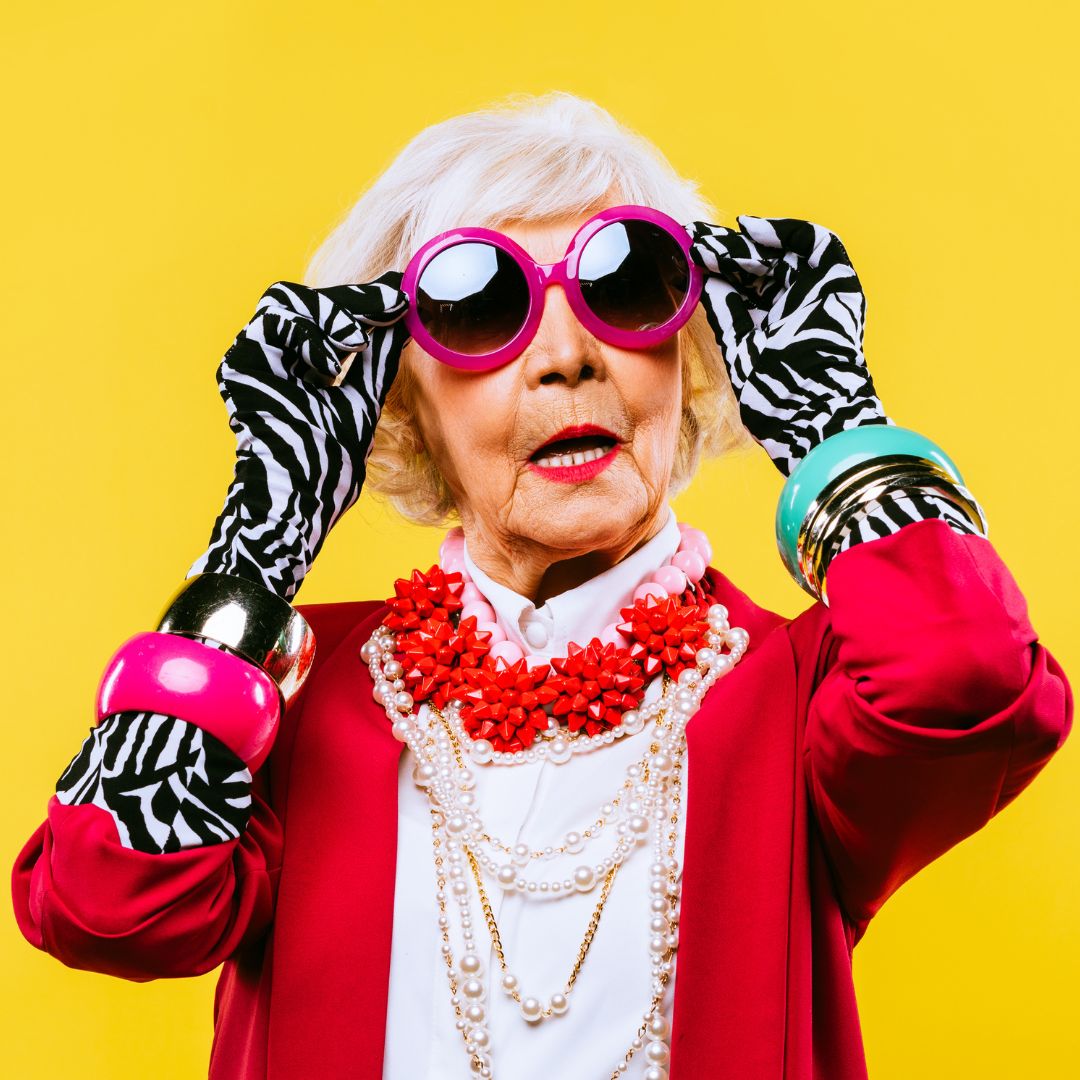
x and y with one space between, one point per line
247 618
838 507
852 491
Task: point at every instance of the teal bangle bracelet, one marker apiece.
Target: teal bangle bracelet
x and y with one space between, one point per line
834 456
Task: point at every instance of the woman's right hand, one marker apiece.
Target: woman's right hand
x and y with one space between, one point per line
302 440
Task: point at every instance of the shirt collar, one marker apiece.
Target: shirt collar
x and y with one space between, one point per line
581 613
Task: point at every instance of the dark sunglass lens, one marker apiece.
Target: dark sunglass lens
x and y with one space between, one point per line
472 298
633 275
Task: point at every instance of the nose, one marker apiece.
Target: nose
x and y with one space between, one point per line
563 351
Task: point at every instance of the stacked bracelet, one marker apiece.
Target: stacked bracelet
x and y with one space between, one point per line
237 691
842 476
224 694
247 619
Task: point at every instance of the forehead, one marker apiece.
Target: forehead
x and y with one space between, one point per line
546 240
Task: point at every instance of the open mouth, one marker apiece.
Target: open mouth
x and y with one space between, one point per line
575 454
567 452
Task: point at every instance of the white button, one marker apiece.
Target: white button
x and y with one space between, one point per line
536 635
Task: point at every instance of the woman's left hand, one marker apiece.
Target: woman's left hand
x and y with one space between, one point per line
787 309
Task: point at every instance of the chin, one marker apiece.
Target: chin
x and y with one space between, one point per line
580 521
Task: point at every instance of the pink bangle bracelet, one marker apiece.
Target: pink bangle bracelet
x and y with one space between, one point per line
224 694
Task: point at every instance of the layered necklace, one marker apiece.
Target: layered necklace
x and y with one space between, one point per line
488 703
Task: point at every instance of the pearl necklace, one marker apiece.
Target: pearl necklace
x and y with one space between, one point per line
458 832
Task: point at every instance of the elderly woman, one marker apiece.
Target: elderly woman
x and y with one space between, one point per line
569 803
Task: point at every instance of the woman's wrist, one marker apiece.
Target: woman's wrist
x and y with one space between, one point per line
228 655
249 620
889 513
853 475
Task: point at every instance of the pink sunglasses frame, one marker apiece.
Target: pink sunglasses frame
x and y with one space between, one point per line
541 276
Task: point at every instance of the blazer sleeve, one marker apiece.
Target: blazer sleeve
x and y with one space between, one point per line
94 904
935 706
85 895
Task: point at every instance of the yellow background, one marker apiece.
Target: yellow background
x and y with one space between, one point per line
165 163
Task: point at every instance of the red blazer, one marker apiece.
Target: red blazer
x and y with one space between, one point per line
851 746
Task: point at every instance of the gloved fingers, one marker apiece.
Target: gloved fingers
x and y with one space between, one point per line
728 252
377 303
321 327
819 246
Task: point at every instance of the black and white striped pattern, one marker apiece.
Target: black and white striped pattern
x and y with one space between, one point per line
888 515
167 783
302 442
788 311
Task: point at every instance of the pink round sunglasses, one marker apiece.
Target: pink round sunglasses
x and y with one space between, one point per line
476 297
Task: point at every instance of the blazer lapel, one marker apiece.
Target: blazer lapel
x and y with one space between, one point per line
731 968
335 907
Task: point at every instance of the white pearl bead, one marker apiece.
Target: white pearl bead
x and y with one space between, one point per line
481 751
382 690
558 1004
655 1072
658 1052
424 774
531 1009
632 721
509 982
559 751
403 700
480 1036
706 657
658 1026
573 842
521 854
400 730
392 669
638 824
506 876
471 964
661 764
584 878
473 989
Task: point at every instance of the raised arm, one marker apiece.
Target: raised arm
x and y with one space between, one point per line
934 703
161 847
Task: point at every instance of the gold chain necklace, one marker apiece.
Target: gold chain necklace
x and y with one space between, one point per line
558 1003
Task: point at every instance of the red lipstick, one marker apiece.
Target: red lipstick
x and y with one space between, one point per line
575 454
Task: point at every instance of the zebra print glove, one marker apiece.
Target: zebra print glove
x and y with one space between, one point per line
166 783
302 441
787 309
788 312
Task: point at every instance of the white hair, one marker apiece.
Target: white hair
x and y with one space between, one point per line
524 158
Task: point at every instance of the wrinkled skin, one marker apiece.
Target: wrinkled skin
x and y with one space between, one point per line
533 534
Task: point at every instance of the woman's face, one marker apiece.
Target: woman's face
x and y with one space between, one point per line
566 450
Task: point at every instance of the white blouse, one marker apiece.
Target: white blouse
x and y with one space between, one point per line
536 803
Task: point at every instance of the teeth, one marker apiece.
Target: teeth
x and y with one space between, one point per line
563 461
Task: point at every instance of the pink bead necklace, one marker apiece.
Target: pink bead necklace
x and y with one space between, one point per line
681 572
